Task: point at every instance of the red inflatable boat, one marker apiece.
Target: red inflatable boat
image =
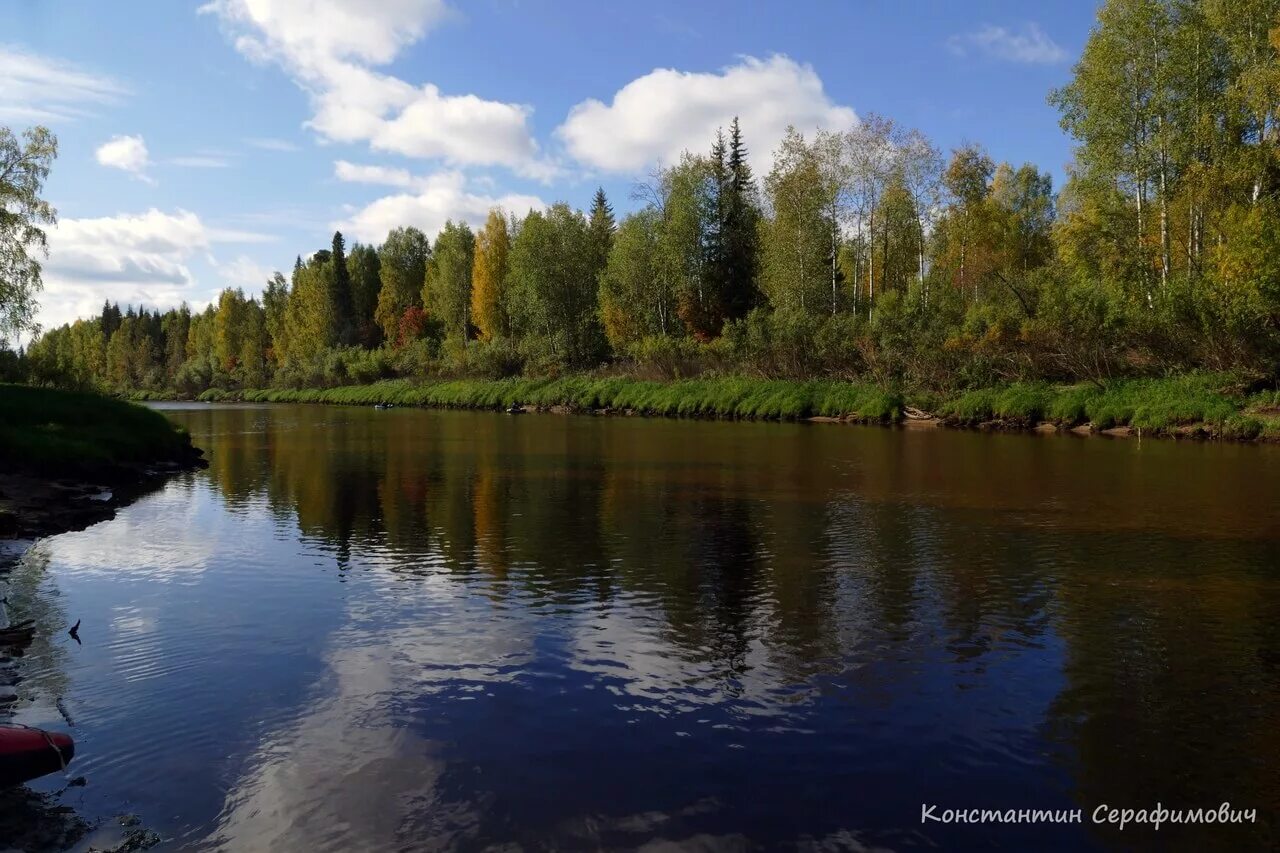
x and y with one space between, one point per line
27 754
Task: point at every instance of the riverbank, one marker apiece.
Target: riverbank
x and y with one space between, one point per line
1210 406
70 459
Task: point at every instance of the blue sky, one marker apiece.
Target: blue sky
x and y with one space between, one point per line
205 144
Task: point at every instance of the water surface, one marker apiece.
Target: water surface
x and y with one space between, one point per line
404 630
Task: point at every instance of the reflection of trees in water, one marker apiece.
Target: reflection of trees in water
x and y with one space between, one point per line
822 559
729 548
1173 691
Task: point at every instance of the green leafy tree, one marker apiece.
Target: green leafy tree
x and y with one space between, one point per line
176 324
553 290
228 328
275 309
684 198
311 320
638 298
402 268
24 166
254 343
795 269
446 291
363 265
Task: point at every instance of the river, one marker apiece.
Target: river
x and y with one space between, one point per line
407 629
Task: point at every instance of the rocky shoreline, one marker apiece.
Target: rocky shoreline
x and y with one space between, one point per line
32 506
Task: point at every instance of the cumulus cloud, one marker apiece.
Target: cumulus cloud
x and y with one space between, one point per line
432 201
313 33
666 112
331 49
127 153
1030 46
132 258
43 89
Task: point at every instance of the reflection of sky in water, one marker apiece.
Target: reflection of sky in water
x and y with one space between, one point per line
429 631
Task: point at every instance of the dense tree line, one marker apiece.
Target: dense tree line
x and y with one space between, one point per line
863 251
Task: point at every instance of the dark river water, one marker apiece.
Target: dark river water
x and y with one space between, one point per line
404 630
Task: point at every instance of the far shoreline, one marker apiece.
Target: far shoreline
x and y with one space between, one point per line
1185 408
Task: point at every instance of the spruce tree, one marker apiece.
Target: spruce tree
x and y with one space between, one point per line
602 227
739 237
717 275
344 310
110 320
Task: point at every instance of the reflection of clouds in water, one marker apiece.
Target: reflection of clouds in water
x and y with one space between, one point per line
153 538
350 772
133 622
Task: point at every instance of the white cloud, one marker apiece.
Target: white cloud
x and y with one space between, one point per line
386 176
42 89
313 33
271 144
666 112
128 153
131 258
1031 46
243 271
434 200
330 48
201 161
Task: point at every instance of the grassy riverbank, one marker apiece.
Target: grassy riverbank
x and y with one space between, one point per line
1208 405
53 433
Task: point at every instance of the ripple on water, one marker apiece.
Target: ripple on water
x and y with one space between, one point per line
440 630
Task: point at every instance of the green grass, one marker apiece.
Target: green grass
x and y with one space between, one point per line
1208 402
68 433
730 397
1157 405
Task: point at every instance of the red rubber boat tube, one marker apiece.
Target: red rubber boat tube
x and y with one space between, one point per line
27 754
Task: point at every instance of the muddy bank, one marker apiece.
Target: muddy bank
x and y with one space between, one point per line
32 506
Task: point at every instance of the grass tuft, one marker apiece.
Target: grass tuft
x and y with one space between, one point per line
59 433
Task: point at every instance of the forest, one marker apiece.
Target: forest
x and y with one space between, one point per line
867 254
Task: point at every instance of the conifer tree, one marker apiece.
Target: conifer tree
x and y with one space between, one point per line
344 314
111 318
739 230
602 227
